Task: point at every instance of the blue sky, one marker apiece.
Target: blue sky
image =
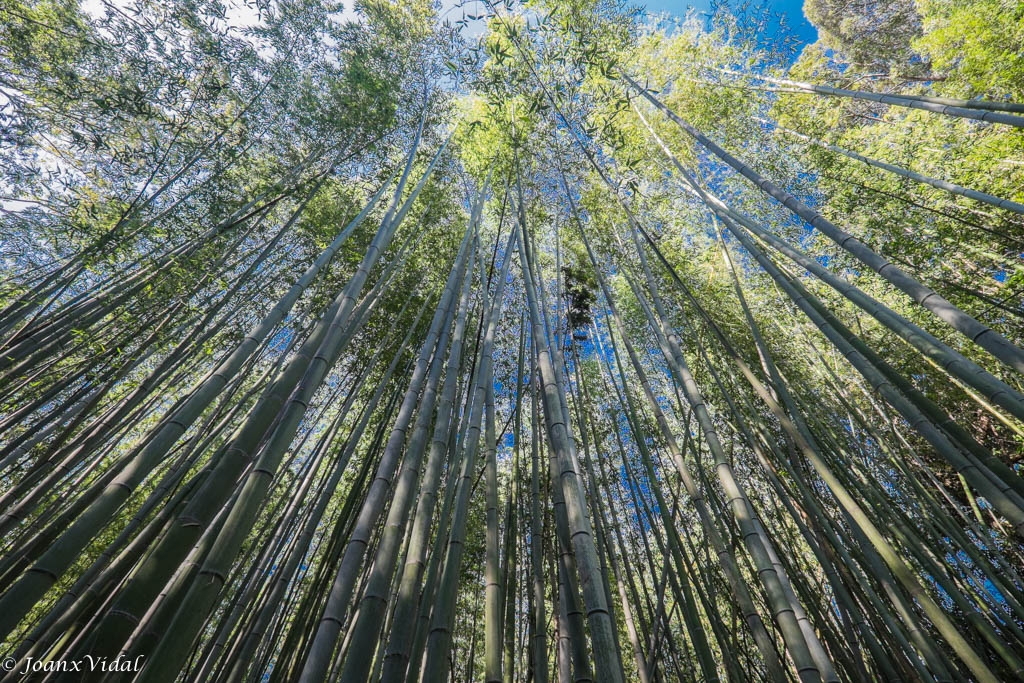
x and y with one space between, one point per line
792 9
797 24
241 13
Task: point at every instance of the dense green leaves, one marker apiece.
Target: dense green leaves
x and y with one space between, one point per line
511 341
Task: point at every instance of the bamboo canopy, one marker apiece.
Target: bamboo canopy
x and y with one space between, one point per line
511 342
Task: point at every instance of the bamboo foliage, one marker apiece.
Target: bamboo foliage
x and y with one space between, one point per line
381 350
